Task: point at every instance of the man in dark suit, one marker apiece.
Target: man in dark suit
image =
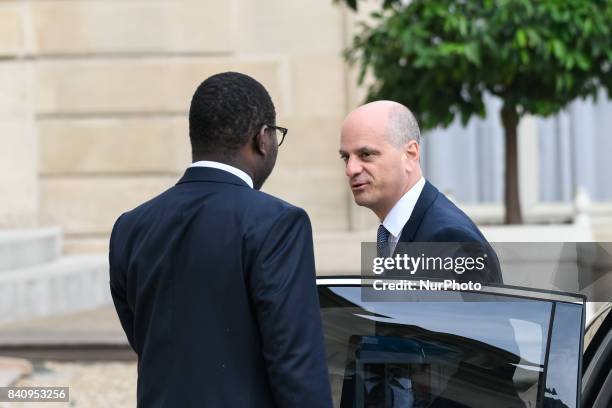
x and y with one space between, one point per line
380 145
213 280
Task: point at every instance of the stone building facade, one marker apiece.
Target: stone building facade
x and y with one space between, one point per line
94 98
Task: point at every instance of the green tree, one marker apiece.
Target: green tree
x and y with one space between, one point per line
439 57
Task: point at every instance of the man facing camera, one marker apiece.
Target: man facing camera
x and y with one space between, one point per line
380 145
213 280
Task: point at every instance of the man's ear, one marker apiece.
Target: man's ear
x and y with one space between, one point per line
412 151
259 141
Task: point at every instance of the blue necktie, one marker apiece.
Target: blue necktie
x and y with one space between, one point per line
382 242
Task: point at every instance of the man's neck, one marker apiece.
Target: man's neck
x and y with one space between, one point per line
382 213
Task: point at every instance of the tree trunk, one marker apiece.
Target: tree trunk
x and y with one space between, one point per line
510 120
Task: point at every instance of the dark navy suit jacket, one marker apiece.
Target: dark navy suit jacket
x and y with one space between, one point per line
436 219
214 284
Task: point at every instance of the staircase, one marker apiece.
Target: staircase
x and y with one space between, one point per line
36 280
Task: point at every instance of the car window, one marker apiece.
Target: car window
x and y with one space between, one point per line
488 351
562 378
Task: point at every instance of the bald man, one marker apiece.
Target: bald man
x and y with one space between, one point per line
380 146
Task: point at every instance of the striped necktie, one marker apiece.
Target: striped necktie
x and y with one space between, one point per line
382 242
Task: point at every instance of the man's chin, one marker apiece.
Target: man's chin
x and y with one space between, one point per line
361 199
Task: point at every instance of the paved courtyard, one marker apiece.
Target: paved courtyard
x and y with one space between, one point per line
92 385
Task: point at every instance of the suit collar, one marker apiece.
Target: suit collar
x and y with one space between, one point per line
427 197
402 210
223 166
210 174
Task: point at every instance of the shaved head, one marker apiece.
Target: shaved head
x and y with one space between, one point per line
379 144
395 120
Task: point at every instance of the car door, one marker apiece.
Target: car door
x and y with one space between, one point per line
597 363
497 347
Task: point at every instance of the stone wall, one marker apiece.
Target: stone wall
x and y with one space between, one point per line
18 141
94 98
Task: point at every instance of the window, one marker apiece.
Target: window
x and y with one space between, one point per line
484 351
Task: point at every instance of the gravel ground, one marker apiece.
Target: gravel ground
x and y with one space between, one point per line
92 385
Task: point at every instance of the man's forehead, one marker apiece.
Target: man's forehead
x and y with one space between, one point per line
357 138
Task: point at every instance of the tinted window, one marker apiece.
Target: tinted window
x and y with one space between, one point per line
484 353
562 371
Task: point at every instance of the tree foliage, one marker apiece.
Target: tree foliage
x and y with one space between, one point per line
439 57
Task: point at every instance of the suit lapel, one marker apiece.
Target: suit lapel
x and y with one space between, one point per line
427 197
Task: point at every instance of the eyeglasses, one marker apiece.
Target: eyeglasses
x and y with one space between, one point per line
283 132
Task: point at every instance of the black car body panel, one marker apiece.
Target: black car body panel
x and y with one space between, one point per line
497 347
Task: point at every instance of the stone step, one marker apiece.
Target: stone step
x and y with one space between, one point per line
27 248
68 284
99 326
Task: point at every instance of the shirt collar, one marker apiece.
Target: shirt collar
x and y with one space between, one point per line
402 210
222 166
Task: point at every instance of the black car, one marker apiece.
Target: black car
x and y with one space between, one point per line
495 347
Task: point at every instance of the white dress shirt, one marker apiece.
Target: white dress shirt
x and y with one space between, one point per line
400 213
222 166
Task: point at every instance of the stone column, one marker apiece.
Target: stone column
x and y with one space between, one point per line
18 141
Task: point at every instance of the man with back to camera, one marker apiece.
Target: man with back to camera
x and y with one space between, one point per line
380 145
213 280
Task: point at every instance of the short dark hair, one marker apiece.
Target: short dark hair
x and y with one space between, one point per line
226 110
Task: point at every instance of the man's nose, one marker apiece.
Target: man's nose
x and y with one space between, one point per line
353 167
